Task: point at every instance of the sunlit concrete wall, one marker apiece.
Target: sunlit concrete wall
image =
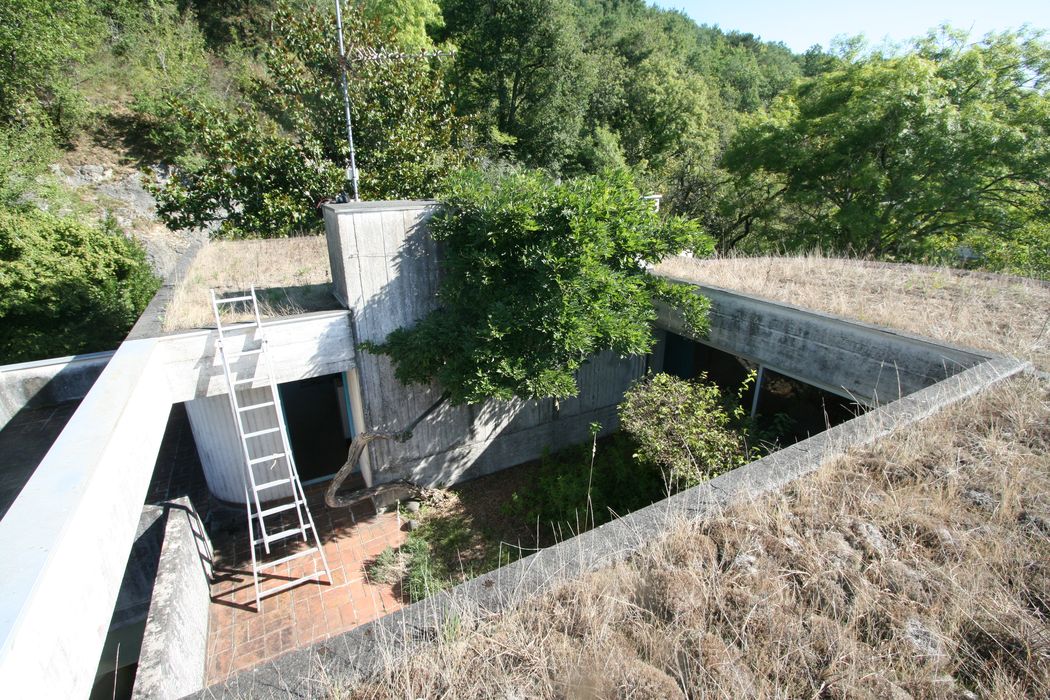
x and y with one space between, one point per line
385 268
865 363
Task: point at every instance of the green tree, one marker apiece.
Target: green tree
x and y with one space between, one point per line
684 427
907 156
42 45
66 287
521 66
265 166
408 20
538 277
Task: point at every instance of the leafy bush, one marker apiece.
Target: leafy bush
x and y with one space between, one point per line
685 427
538 277
264 167
66 287
617 484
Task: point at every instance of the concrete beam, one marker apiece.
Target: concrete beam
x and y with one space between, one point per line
859 361
64 543
309 345
174 646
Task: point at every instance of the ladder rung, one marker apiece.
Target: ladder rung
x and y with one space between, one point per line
231 300
278 509
238 355
259 460
271 484
291 584
257 433
249 380
282 560
242 409
283 535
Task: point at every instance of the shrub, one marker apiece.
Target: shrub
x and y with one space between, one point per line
685 427
66 287
617 484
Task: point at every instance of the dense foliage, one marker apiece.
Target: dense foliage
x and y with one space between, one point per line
266 166
925 154
577 488
686 427
538 277
66 287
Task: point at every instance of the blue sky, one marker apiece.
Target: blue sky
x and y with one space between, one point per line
802 24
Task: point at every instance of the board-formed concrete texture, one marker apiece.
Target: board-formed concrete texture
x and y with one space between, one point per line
311 671
385 268
174 646
865 363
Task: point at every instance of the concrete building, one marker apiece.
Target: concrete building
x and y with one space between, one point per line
135 454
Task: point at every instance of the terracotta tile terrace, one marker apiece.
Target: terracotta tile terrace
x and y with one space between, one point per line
241 637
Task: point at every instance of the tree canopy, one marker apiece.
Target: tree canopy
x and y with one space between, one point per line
904 156
539 276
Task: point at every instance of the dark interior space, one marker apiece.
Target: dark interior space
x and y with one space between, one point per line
316 425
788 410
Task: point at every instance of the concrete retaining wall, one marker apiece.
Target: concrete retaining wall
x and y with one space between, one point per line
311 672
385 267
48 382
173 659
856 360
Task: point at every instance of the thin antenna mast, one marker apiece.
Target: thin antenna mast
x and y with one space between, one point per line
351 171
374 56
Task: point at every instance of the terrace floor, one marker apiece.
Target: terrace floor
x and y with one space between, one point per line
240 637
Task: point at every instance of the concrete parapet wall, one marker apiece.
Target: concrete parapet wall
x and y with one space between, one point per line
48 382
173 658
862 362
311 671
64 542
386 268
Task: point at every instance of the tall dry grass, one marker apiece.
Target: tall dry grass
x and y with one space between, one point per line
919 567
1007 315
292 273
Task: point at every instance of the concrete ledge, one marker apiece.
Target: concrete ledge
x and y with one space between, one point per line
357 653
173 659
48 382
856 360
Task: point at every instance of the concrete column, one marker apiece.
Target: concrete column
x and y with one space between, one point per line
219 445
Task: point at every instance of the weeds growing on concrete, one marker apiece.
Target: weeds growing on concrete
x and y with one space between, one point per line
916 567
1007 315
291 276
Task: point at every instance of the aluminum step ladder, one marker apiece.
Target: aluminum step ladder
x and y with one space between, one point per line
266 468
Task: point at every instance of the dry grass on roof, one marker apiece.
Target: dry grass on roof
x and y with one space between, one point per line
291 276
1007 315
919 567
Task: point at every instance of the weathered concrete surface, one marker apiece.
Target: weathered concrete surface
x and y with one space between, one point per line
308 345
856 360
129 614
304 673
385 267
65 540
48 382
172 661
